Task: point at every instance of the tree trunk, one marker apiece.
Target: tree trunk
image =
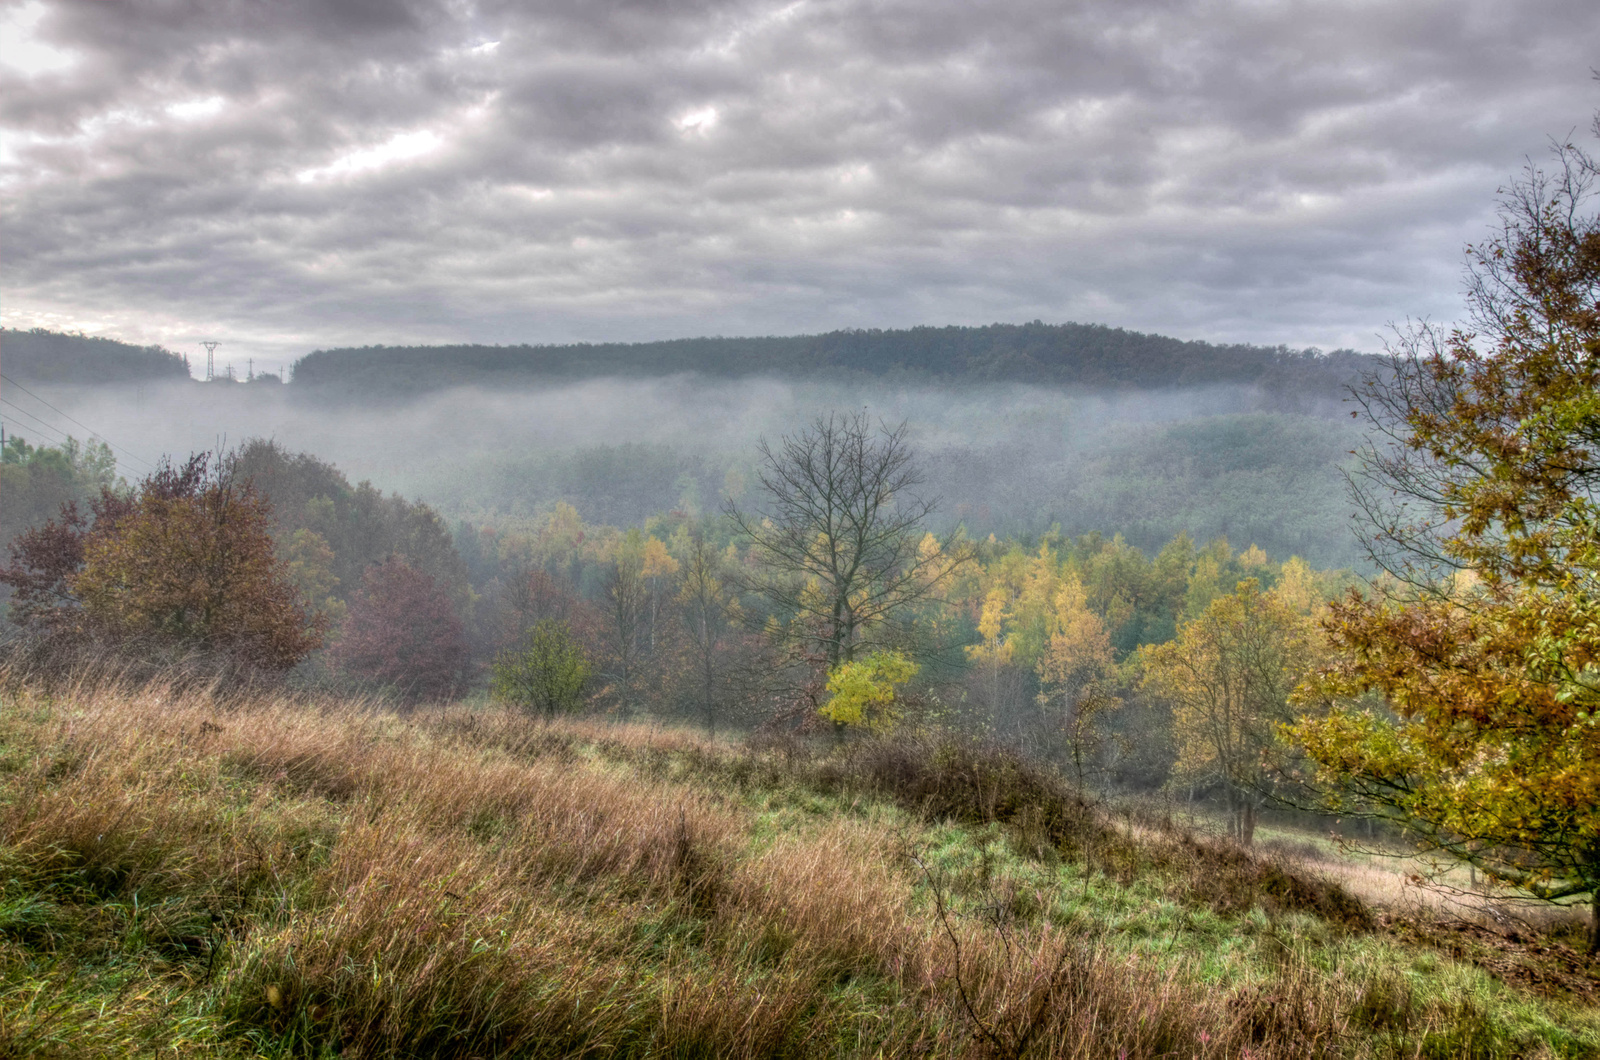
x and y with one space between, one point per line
1247 829
1594 926
836 636
711 706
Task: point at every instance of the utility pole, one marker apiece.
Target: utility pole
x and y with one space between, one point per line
211 358
252 376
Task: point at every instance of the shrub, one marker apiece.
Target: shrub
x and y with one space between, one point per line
547 675
864 690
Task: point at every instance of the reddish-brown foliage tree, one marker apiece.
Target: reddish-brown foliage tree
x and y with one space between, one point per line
43 562
522 598
403 633
189 561
186 562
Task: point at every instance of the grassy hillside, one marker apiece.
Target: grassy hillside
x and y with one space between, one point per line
260 878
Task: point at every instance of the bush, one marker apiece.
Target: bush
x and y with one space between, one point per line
547 676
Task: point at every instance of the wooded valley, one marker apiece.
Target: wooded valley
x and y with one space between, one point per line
1023 708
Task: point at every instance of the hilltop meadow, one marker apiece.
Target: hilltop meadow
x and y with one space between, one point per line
557 788
251 875
645 531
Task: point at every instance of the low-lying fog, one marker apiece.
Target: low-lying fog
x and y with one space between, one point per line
1004 458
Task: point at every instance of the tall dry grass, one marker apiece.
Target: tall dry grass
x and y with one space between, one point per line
324 879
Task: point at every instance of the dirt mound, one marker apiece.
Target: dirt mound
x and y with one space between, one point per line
1542 966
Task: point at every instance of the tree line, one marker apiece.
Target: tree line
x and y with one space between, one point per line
54 357
1084 355
1079 355
693 617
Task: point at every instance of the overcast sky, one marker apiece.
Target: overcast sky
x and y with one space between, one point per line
291 174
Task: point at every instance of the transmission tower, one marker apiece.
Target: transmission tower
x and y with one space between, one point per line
211 358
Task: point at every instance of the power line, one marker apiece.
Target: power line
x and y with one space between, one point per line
62 438
52 434
42 425
92 432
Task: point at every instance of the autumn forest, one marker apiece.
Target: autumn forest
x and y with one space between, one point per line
1028 690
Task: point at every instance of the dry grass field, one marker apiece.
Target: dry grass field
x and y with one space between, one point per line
189 875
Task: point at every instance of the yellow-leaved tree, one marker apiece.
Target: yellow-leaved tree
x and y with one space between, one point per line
1229 675
992 654
865 691
1015 620
658 568
1076 675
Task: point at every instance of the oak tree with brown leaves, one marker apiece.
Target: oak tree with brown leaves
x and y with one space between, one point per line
1483 645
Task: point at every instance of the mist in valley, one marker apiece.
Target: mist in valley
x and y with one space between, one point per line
1008 459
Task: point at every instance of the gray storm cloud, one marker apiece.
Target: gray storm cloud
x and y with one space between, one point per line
290 175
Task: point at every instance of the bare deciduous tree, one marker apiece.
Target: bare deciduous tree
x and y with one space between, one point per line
840 538
625 602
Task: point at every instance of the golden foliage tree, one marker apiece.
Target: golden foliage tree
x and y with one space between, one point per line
1076 675
1229 675
993 653
659 568
1488 466
1015 618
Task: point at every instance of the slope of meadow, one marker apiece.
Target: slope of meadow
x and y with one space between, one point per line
256 877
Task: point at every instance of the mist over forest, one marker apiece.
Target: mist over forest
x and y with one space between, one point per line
1254 459
532 531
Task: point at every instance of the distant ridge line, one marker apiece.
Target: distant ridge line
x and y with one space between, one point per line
1061 354
1073 355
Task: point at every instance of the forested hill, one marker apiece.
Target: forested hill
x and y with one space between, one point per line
1062 354
52 357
